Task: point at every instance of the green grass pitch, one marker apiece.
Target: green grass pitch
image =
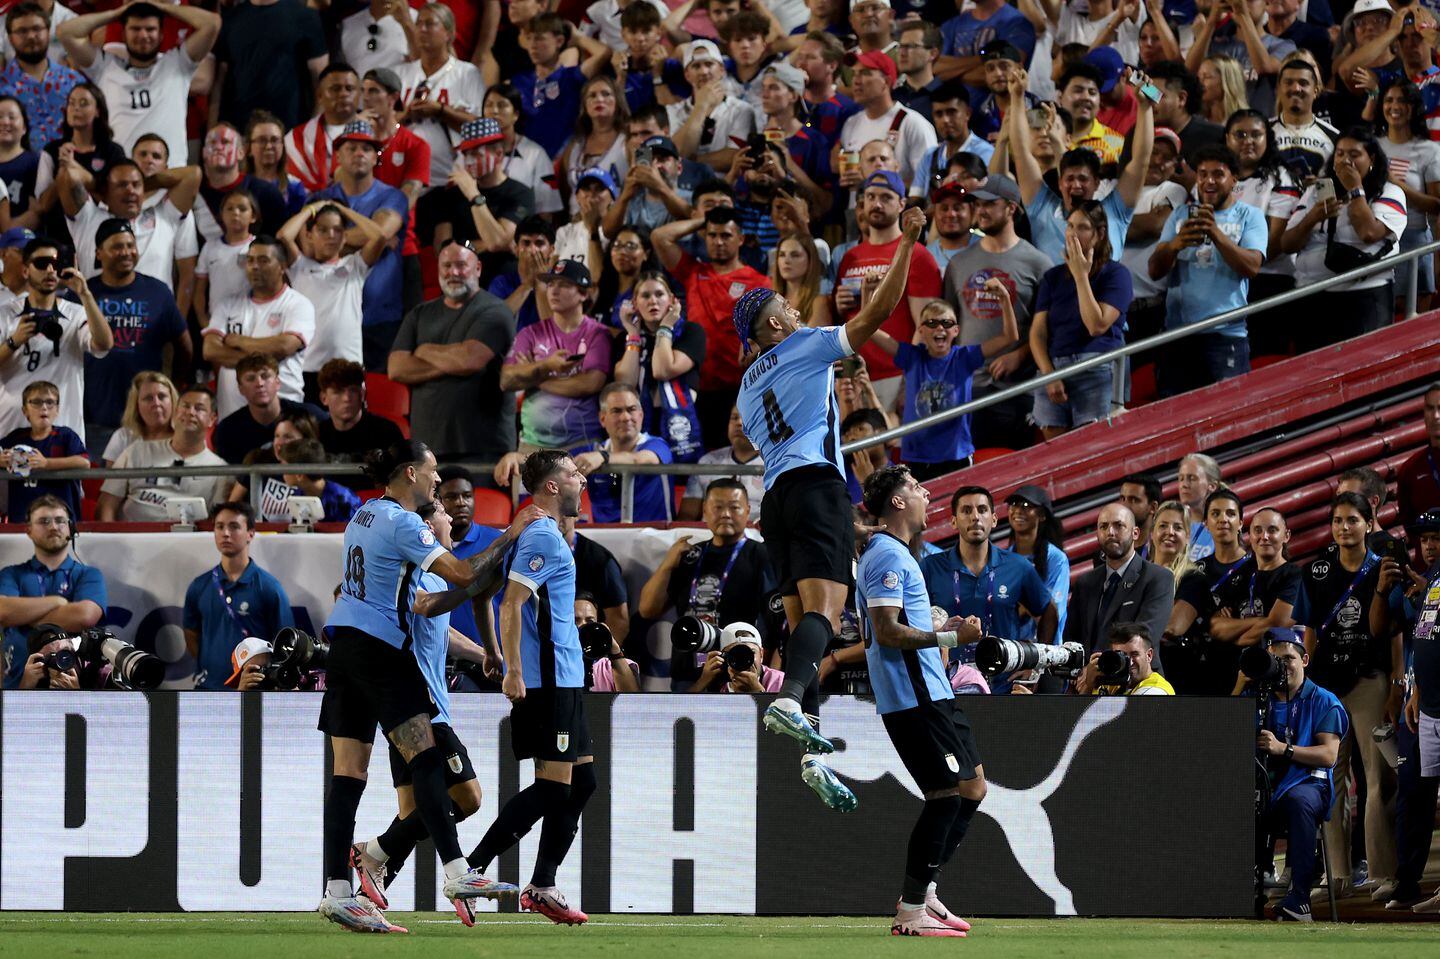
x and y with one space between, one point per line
509 936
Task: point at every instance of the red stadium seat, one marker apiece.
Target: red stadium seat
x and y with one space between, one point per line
990 453
1142 385
91 498
1268 359
390 399
492 508
369 494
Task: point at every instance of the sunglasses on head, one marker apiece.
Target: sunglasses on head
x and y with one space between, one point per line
942 322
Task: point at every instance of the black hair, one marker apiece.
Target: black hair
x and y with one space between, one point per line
863 416
880 486
539 466
39 243
1173 71
1081 70
969 164
1124 632
240 506
713 185
427 510
1215 153
723 216
1224 492
1356 502
1154 492
267 239
535 226
512 96
971 491
1413 100
449 473
383 465
1081 156
26 9
950 90
99 128
1379 174
1271 162
334 67
724 483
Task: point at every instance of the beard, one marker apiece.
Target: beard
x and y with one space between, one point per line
32 57
459 289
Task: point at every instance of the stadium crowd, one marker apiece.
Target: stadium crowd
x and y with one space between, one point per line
227 225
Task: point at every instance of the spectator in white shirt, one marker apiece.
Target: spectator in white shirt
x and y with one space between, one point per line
379 36
711 125
881 118
441 92
220 271
143 500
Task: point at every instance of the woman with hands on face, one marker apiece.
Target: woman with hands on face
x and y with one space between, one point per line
662 360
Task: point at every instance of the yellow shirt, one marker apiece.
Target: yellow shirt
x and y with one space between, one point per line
1106 143
1152 685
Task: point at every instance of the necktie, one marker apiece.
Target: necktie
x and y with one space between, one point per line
1112 583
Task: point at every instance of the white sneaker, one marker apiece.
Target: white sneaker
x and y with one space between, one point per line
356 913
371 873
1429 907
919 922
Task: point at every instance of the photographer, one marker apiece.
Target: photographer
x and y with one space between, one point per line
735 667
1299 743
248 661
234 600
1135 676
50 588
723 578
611 672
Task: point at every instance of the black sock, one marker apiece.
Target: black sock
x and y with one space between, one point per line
340 805
810 702
432 802
802 655
560 826
516 817
400 839
958 827
926 850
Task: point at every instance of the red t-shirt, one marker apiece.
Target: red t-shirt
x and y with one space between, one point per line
1417 484
405 156
865 259
1121 117
710 301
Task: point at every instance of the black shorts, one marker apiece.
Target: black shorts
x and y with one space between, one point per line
368 682
808 523
549 723
457 761
935 743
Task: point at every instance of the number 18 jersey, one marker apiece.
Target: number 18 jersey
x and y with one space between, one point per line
386 548
787 401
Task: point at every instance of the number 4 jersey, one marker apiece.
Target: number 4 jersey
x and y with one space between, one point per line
386 549
787 401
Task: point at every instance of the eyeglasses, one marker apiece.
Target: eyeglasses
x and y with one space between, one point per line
629 246
1248 134
43 404
943 324
374 40
49 521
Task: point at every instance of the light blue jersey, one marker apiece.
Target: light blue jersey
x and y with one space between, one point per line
787 401
432 644
889 576
549 642
386 547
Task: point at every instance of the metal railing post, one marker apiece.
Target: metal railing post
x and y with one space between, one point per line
1412 290
627 497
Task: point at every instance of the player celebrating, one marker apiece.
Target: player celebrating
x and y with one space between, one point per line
788 410
545 683
913 697
373 677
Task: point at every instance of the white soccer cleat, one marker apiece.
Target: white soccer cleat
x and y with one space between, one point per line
919 922
372 875
356 913
476 885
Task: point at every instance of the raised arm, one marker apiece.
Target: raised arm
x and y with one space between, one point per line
74 35
1132 178
869 317
1028 174
889 631
666 239
204 28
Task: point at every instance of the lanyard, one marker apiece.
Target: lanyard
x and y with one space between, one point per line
989 598
226 602
1230 571
724 576
64 586
1434 471
1365 567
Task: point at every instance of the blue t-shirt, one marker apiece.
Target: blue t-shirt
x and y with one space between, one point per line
654 496
1060 299
1202 544
550 106
1047 221
966 36
787 401
143 316
62 441
432 643
381 300
889 576
19 176
932 385
1057 582
506 283
384 545
224 613
1007 582
549 642
830 116
31 579
1202 284
1313 711
475 541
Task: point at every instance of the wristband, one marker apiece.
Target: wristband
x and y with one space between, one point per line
1356 194
10 342
666 331
1289 750
948 639
632 341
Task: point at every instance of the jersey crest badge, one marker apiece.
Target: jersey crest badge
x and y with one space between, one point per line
737 290
537 563
562 741
398 159
455 764
274 320
427 538
891 579
950 763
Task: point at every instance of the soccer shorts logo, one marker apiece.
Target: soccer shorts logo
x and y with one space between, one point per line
536 563
562 741
455 763
891 579
952 763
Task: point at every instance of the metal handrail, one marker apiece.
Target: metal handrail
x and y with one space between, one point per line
1160 339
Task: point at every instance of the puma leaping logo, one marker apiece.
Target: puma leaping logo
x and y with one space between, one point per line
1020 813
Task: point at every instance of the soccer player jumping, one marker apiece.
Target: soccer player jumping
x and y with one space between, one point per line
788 409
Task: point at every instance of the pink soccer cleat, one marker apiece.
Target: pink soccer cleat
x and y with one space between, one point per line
551 904
371 873
464 910
919 922
936 910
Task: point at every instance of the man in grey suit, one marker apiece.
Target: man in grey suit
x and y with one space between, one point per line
1124 588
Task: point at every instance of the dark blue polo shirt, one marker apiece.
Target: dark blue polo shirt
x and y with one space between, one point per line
224 613
32 579
474 542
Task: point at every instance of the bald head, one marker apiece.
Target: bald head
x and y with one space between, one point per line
1116 531
459 270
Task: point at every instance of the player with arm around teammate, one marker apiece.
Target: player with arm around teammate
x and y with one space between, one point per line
914 698
788 410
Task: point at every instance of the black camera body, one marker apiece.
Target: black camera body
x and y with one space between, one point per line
296 655
1112 668
595 640
130 668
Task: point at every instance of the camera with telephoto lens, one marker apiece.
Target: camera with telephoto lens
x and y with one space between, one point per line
995 655
130 668
1112 668
694 635
595 640
740 658
1262 669
296 655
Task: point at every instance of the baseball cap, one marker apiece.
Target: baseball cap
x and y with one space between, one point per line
1371 6
792 77
572 270
1426 522
386 77
886 180
111 226
15 237
875 60
1110 64
1169 136
247 649
706 50
861 3
599 175
1001 50
1032 494
359 131
740 633
661 144
478 132
1284 634
948 191
998 186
